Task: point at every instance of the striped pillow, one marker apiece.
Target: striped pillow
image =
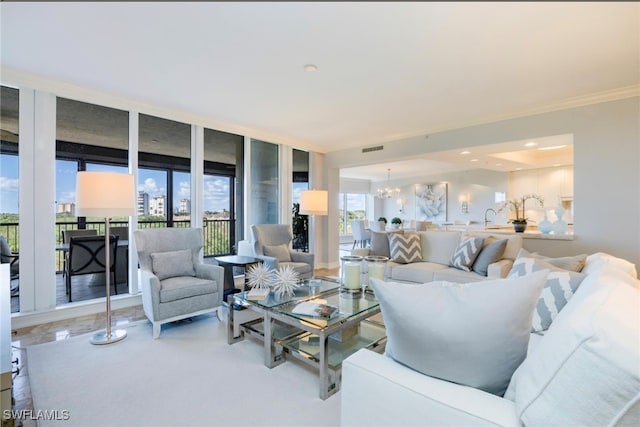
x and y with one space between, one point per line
558 289
405 248
466 253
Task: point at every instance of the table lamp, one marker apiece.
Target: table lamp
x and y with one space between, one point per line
105 194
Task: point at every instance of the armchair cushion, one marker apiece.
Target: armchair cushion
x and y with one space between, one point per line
175 288
279 252
172 264
474 334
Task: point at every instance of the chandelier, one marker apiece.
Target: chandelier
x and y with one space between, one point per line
388 192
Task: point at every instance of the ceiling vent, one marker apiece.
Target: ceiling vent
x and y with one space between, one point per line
370 149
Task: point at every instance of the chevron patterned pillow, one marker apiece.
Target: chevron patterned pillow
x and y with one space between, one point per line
405 248
558 289
466 253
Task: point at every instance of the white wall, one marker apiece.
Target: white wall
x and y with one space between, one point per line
606 168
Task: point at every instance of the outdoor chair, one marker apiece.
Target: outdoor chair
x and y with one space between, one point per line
87 256
175 283
272 245
360 234
12 258
66 237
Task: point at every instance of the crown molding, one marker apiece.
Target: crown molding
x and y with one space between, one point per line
575 102
18 78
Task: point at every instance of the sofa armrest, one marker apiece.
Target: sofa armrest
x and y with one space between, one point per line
500 269
379 391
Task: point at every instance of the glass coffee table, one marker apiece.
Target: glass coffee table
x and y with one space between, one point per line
323 343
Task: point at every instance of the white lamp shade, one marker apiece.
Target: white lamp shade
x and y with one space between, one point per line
105 194
314 202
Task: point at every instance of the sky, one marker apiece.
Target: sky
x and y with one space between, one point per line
153 182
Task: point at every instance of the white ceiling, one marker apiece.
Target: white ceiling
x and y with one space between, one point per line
385 70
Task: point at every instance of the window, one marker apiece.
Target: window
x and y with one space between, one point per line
351 206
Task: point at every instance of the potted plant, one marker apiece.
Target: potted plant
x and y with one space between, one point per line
382 223
396 222
520 221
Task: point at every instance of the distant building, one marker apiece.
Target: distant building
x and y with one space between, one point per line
185 206
67 208
158 206
143 203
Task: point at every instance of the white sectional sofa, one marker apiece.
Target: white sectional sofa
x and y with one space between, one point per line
437 247
584 370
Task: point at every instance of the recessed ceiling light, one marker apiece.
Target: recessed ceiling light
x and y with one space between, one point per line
498 164
465 153
531 144
557 164
474 160
310 68
555 147
518 169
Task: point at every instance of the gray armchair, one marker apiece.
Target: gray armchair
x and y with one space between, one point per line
175 284
272 245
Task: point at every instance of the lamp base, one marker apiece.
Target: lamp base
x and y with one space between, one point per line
101 337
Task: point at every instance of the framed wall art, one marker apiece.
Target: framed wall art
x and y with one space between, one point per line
431 202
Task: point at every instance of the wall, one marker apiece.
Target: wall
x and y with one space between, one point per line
606 167
480 186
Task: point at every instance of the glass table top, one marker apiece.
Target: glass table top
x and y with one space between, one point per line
302 293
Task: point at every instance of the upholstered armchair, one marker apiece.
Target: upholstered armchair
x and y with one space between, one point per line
272 245
175 284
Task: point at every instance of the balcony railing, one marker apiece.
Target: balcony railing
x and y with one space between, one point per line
217 234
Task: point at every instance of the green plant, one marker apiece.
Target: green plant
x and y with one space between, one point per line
519 203
383 219
396 220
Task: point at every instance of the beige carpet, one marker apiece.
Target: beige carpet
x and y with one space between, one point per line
190 376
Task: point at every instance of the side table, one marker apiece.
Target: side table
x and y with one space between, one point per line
228 262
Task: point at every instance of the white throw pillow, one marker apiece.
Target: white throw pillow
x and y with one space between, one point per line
597 260
172 264
586 370
474 334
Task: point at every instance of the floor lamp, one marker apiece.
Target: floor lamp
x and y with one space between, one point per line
312 203
105 194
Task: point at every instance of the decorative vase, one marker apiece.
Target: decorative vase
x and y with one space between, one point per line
519 226
545 226
559 226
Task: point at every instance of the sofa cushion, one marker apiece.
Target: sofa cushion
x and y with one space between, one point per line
456 275
437 246
405 248
279 252
491 252
466 252
172 264
419 272
586 369
474 334
558 289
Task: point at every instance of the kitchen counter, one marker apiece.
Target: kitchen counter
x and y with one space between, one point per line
530 233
